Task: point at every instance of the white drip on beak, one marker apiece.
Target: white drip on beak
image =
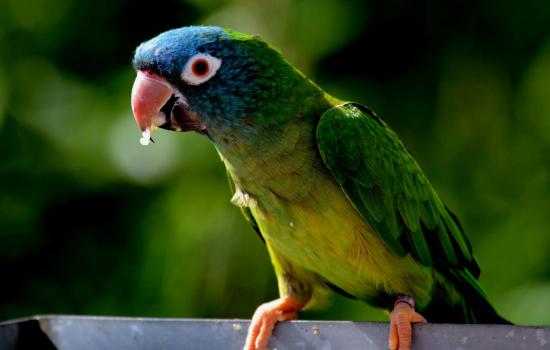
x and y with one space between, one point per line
145 137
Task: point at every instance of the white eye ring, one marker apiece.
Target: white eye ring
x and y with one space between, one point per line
200 68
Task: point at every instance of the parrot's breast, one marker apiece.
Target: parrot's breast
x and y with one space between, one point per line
305 217
323 233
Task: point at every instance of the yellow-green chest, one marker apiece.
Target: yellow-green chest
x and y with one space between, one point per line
306 218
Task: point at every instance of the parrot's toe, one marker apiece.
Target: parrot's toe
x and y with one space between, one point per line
264 319
401 318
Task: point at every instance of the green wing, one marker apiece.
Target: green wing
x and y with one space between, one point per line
385 184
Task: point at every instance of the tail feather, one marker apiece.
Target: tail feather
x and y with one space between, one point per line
472 306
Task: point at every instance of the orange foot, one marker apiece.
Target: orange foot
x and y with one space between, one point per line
264 320
401 318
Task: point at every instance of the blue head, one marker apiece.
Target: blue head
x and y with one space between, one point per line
214 81
167 53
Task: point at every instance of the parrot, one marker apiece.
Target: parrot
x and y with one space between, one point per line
339 201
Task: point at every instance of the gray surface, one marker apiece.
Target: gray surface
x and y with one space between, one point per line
83 333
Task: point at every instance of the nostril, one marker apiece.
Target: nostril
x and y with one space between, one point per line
149 73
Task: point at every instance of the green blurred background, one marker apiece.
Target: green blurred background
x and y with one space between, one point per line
93 223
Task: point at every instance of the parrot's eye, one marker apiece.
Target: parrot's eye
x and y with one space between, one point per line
200 68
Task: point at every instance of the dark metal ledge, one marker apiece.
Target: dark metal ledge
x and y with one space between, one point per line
96 333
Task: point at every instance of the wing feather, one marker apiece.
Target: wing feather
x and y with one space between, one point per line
385 184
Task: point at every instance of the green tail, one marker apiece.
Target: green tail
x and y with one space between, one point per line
472 308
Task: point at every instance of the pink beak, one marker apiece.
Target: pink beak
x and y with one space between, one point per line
149 93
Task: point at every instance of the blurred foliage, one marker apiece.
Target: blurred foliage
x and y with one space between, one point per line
93 223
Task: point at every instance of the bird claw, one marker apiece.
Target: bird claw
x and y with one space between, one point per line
401 318
264 320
